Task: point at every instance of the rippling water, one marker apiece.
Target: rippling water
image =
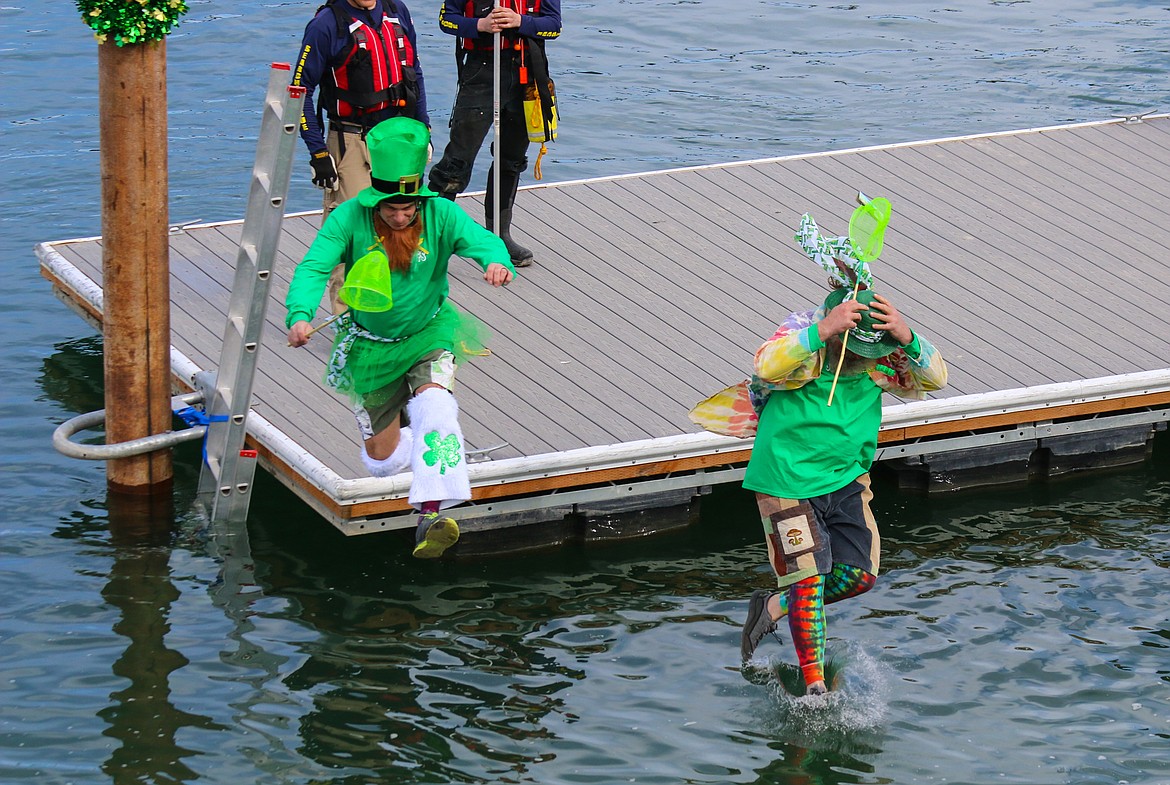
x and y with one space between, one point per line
1016 636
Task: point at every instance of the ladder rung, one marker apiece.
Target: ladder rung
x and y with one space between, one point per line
248 253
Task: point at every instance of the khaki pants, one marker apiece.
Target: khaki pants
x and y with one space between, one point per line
353 175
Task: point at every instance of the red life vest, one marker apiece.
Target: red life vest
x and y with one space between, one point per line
481 8
377 73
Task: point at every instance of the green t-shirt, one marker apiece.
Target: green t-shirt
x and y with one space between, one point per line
806 448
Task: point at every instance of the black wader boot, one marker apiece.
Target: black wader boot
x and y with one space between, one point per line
520 256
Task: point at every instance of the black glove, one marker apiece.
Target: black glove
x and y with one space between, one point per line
324 170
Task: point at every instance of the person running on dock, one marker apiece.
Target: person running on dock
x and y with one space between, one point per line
524 26
397 364
815 437
363 54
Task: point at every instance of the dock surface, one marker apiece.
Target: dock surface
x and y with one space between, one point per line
1035 260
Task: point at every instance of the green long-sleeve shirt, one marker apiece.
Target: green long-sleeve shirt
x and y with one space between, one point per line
806 448
348 234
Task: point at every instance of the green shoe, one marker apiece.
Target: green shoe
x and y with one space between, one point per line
434 535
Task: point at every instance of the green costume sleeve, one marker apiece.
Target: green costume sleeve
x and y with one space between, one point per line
914 348
469 239
813 339
330 248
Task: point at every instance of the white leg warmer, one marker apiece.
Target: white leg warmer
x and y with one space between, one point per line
438 459
399 460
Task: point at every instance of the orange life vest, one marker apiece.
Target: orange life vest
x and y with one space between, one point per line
377 73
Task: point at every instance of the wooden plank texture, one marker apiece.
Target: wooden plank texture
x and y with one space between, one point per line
1028 258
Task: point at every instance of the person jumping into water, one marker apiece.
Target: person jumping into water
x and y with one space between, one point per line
810 463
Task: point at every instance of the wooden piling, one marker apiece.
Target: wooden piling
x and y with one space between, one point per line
135 258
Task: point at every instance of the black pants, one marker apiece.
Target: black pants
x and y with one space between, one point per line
471 119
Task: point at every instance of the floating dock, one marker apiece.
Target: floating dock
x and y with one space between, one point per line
1036 260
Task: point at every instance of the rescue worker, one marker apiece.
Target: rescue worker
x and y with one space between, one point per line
524 26
364 57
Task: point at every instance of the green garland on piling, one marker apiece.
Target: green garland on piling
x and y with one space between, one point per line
131 21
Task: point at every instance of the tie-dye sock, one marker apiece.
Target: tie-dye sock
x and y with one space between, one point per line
782 600
806 623
846 581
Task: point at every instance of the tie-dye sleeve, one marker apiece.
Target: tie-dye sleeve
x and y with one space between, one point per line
915 376
792 356
788 354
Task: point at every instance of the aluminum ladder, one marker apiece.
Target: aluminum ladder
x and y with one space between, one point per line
225 481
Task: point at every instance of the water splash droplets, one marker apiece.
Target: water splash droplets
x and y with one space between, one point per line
855 708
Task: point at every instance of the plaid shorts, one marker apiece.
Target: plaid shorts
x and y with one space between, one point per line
807 537
437 367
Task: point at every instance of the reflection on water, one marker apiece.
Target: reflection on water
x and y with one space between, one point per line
72 375
1029 621
1034 630
141 715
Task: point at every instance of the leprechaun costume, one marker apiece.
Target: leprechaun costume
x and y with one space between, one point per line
380 357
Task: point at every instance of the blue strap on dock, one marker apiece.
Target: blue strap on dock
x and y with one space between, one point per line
193 417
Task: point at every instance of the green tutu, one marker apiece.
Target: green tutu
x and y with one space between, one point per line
362 363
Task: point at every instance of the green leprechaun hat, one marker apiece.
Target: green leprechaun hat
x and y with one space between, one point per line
398 156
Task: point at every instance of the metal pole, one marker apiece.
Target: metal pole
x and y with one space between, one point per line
135 263
496 126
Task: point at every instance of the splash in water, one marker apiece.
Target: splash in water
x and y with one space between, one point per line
856 705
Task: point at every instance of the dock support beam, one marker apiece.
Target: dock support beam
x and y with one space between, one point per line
135 258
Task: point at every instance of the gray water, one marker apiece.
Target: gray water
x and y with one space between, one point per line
1019 635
